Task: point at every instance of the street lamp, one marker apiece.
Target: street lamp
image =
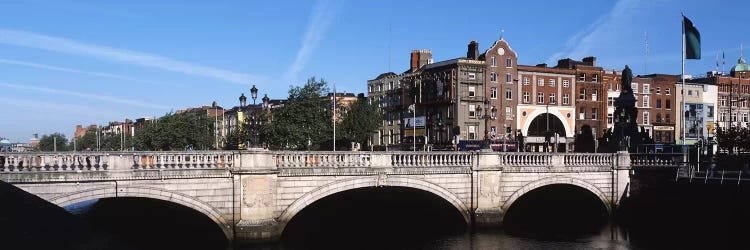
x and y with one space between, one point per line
254 93
491 115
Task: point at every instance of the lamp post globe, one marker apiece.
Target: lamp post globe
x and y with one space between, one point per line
254 93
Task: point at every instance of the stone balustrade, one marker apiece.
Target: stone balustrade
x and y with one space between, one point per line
318 159
48 161
430 159
183 159
578 159
656 160
526 159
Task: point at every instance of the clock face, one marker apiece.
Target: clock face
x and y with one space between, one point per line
501 51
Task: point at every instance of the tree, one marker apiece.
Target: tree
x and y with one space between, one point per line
584 142
360 119
48 142
177 132
304 122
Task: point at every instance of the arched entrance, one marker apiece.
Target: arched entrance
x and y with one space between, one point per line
543 131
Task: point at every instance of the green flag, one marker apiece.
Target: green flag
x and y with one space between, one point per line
692 39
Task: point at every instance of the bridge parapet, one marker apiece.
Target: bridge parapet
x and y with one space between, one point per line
47 161
182 159
656 160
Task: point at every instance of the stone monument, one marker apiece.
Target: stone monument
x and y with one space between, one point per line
625 136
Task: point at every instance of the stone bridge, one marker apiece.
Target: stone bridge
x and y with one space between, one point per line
252 195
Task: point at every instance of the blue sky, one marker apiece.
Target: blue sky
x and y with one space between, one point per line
64 63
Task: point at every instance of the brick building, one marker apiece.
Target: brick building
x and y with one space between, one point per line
501 89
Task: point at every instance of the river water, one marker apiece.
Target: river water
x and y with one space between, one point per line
676 217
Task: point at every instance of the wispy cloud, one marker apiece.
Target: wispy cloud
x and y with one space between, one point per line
86 95
59 108
63 45
604 30
71 70
321 18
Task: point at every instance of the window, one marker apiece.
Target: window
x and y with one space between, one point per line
658 104
609 87
582 113
508 113
634 86
566 83
582 95
594 92
744 117
690 92
525 81
508 63
380 87
551 98
493 130
390 85
668 137
667 118
472 91
493 93
551 82
594 77
646 88
493 77
566 99
645 117
493 63
472 110
658 117
508 94
540 82
610 118
526 97
472 76
668 104
593 113
508 78
658 90
540 97
371 88
472 132
610 101
666 91
582 77
645 101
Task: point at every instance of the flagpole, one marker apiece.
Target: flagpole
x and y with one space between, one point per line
682 92
334 117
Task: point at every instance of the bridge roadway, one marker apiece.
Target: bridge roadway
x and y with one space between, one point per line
252 195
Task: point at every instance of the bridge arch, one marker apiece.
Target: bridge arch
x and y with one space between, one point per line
147 192
558 180
354 183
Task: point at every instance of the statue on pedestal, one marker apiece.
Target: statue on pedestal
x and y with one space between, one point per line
625 136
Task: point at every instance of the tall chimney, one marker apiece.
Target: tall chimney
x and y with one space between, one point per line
420 58
473 50
590 60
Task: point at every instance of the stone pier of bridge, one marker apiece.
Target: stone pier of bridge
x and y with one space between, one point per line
252 195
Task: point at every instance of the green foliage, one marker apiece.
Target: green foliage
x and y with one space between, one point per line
360 119
47 142
733 138
304 122
177 132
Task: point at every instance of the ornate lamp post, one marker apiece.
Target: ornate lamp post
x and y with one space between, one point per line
489 114
254 93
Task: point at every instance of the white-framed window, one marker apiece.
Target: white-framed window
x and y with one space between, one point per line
594 92
540 82
690 92
566 98
610 101
551 82
370 88
472 91
582 77
658 103
493 130
508 113
646 101
526 81
508 94
472 110
594 113
581 113
540 97
472 76
493 93
610 118
646 88
566 83
551 98
634 86
493 62
508 78
472 132
582 94
666 91
658 90
526 97
594 77
508 63
645 117
493 77
668 104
